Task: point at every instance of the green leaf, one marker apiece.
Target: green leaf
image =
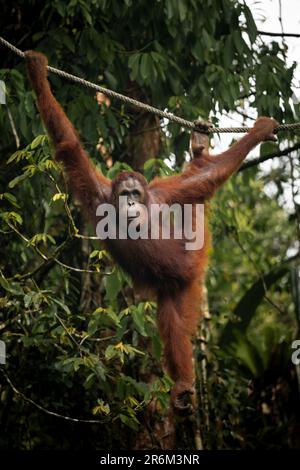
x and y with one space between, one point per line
110 352
145 66
94 254
248 354
246 307
113 285
237 39
156 346
69 43
112 81
182 8
12 287
11 198
207 39
169 9
133 64
197 50
60 304
18 155
129 421
39 140
17 180
138 316
251 26
12 217
228 52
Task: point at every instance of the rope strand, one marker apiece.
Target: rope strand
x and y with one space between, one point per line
151 109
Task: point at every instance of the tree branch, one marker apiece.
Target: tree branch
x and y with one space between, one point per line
269 156
267 33
45 410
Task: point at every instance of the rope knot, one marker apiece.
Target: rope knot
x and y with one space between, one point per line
203 127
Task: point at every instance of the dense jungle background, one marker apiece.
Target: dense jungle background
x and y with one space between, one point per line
83 356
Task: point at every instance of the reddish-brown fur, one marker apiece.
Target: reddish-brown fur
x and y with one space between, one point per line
163 265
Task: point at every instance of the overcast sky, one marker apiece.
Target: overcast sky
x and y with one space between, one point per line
266 15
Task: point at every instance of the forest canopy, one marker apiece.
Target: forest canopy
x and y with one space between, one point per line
79 342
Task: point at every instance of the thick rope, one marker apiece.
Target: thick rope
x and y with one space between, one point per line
144 106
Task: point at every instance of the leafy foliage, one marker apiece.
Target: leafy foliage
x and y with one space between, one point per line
79 343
